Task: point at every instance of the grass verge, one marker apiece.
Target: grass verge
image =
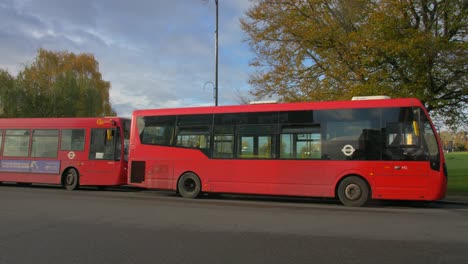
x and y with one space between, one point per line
457 166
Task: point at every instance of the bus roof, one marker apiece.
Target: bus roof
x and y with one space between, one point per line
399 102
58 122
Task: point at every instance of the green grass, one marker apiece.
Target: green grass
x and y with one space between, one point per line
457 166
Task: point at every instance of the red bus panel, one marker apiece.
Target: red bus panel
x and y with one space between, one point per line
353 150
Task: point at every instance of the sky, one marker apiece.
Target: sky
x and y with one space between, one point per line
155 53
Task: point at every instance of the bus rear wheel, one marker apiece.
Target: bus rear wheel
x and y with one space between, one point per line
353 191
70 180
189 185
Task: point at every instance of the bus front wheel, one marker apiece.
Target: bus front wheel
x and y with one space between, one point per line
189 185
353 191
70 180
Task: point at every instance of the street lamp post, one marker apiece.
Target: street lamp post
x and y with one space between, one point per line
216 56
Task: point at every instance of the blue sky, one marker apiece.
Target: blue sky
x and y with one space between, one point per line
155 53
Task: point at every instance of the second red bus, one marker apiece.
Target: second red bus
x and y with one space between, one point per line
71 152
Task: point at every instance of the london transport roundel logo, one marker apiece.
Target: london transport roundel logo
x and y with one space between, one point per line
348 150
71 155
100 122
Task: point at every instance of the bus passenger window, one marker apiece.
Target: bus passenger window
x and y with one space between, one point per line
224 137
73 139
223 146
1 140
156 130
256 142
193 138
45 143
246 147
16 143
264 147
300 143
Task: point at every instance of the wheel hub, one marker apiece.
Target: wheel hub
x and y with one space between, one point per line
353 192
70 179
189 185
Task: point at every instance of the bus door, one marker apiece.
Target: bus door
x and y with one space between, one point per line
104 166
401 179
404 169
257 150
302 166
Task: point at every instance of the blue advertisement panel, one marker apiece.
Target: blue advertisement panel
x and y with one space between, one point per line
33 166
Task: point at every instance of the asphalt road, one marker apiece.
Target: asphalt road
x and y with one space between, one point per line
50 225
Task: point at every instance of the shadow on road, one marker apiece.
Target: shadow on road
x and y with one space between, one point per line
268 201
81 188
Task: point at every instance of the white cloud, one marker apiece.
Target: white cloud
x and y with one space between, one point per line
156 54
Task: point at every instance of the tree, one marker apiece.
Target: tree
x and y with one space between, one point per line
240 97
7 94
454 141
317 50
61 84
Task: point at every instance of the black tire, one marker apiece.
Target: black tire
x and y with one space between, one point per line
71 180
353 191
189 185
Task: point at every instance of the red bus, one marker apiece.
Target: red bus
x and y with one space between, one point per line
353 150
72 152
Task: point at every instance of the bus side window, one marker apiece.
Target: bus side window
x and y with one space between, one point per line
223 146
45 143
194 137
1 141
300 142
223 137
155 130
72 139
256 142
16 143
101 148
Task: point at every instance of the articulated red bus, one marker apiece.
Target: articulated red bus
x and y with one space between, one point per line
72 152
353 150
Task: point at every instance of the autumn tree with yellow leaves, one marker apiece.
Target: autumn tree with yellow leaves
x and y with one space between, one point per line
318 50
56 84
